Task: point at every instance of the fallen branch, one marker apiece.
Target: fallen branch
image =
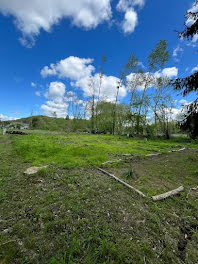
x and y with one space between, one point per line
194 189
174 150
181 149
167 194
111 161
124 183
154 154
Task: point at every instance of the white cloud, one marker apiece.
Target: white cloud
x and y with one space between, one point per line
170 72
38 93
195 69
177 50
7 118
50 107
130 17
109 87
72 67
56 91
139 80
57 103
33 84
80 71
130 21
33 16
167 72
174 113
124 5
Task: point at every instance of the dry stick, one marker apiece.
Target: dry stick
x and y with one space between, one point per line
194 189
167 194
148 155
124 183
182 149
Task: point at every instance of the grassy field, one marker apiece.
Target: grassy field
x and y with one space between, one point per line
83 150
72 213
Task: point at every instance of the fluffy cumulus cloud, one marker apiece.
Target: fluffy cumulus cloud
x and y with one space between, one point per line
72 67
108 88
130 21
7 118
124 5
56 105
80 72
130 17
56 91
142 80
32 16
167 72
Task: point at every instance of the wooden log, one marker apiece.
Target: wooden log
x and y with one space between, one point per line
124 183
182 149
111 161
154 154
167 194
194 189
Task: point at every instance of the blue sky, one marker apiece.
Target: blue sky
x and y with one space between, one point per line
33 36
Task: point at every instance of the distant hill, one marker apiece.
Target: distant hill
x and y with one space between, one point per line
53 123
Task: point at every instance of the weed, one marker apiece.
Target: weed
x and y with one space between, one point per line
130 174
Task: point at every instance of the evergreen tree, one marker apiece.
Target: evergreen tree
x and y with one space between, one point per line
190 83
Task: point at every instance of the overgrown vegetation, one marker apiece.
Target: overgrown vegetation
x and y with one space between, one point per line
79 215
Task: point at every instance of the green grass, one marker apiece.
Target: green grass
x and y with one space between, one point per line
82 150
73 215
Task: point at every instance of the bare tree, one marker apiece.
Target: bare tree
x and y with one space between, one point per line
119 85
101 74
92 102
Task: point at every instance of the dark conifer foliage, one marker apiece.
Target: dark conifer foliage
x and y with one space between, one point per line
190 83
